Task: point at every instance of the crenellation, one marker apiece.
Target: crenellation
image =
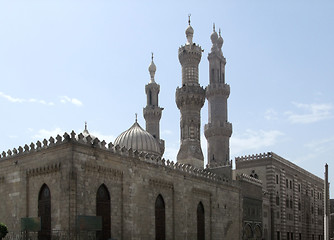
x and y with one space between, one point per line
51 141
26 148
20 149
39 145
59 139
9 153
32 146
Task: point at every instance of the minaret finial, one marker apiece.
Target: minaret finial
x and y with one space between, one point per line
152 56
85 125
136 116
214 27
219 32
189 15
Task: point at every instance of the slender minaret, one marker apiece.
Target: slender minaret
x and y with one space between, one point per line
190 99
152 111
218 130
326 205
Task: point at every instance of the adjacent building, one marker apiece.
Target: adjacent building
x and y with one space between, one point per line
296 197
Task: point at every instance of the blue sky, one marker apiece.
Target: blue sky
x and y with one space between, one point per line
66 62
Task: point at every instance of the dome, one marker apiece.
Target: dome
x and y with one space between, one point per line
214 37
220 40
138 139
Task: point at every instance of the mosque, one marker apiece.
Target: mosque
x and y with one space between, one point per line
77 186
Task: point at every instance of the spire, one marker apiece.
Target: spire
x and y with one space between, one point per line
220 41
86 130
152 68
189 32
136 115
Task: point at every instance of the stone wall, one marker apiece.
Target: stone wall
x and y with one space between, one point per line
74 167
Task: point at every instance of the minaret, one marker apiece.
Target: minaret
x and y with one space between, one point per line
218 130
152 111
326 205
190 99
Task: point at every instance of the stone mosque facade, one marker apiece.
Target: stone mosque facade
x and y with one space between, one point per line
76 186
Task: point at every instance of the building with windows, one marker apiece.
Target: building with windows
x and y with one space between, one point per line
76 186
296 209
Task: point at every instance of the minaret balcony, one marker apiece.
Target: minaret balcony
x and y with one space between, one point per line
220 129
152 113
190 54
217 89
190 95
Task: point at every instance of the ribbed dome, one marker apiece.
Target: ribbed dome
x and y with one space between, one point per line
138 139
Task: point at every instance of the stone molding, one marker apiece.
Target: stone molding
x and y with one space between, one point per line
46 169
225 129
247 178
202 192
190 95
111 172
161 183
217 89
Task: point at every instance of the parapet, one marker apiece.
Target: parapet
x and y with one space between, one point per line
122 151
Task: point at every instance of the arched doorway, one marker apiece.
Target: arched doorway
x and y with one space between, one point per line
200 222
44 212
160 219
103 210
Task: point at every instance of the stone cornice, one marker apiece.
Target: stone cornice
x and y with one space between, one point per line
217 90
224 129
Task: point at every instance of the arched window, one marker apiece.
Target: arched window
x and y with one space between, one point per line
160 219
200 222
103 210
248 232
44 212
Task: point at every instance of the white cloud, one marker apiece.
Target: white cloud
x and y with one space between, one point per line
166 132
271 114
312 113
171 152
253 141
322 145
101 137
22 100
66 99
43 133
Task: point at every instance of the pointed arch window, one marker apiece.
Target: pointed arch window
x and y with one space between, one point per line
200 222
44 212
160 219
103 210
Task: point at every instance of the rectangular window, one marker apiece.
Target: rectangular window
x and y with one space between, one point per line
276 179
287 183
299 187
278 236
290 184
300 236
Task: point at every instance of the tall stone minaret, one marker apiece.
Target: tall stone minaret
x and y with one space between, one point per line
218 130
152 111
190 99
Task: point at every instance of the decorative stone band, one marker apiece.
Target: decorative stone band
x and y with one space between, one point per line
47 169
224 129
96 143
161 183
190 95
217 89
217 54
152 86
152 113
247 178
